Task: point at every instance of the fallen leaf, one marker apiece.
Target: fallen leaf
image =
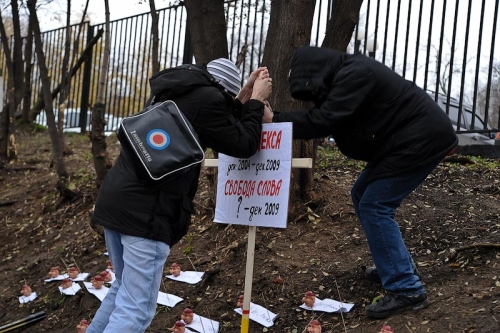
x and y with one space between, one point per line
377 298
278 280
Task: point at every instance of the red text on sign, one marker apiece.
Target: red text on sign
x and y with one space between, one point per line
246 188
270 140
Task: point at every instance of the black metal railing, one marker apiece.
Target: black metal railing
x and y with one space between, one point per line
446 47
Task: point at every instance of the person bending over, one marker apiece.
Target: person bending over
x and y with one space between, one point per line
143 221
374 115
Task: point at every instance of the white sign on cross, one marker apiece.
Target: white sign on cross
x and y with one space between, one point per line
255 192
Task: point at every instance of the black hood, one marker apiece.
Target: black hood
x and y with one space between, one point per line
312 71
173 82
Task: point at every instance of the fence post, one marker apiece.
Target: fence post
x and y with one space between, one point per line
87 71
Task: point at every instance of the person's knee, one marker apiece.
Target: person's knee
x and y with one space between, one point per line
369 210
369 207
374 211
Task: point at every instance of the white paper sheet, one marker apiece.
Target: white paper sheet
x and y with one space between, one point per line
26 299
168 299
203 325
79 278
71 290
99 293
329 305
190 277
260 315
58 278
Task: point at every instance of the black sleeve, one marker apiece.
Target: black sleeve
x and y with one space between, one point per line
218 129
349 91
238 109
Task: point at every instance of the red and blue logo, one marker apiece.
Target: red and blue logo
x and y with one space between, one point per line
158 139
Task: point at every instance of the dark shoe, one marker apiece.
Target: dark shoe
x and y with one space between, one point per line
391 304
371 274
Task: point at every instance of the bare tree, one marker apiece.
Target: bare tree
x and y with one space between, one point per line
102 162
207 27
28 58
15 83
8 125
445 69
40 103
68 58
289 28
65 81
345 16
489 97
57 149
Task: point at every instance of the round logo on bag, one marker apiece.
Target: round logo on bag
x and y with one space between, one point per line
158 139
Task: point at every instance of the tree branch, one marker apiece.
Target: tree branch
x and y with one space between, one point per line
40 104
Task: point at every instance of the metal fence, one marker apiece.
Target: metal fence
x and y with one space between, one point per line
446 47
126 89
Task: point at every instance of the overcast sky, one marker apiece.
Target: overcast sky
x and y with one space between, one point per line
55 17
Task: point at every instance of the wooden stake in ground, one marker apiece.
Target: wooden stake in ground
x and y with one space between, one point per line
245 315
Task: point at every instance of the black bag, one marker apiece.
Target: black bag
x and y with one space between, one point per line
162 139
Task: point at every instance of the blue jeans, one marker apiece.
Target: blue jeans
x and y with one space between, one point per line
375 204
130 304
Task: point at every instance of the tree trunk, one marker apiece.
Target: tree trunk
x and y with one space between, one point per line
155 37
102 163
40 104
207 29
289 28
8 138
15 84
17 59
345 16
4 134
57 149
65 82
28 57
207 24
12 145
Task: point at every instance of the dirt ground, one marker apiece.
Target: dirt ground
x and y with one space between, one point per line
324 250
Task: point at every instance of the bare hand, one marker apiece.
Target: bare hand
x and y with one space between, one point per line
268 113
255 74
262 88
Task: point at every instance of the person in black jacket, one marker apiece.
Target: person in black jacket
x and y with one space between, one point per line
142 221
374 115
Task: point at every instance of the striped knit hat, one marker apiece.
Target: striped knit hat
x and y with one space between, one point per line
226 73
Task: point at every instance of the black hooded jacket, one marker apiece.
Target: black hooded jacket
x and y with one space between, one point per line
163 211
373 114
